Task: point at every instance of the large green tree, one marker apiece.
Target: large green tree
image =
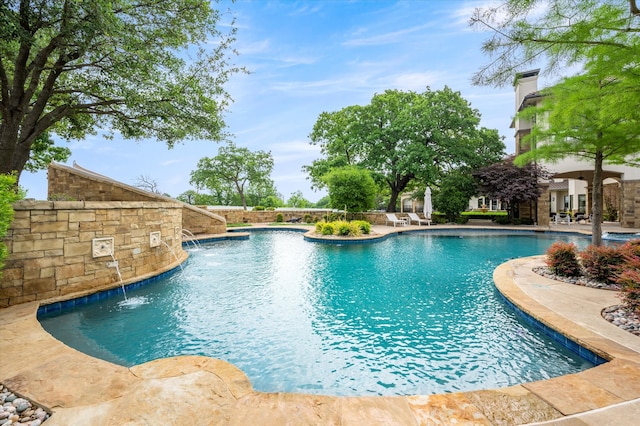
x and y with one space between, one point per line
592 115
236 168
588 117
351 188
403 138
153 68
556 34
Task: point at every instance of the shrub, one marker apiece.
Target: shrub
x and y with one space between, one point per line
347 229
629 275
258 208
562 259
279 218
503 220
328 228
461 220
9 193
61 197
307 218
601 263
364 226
526 221
342 228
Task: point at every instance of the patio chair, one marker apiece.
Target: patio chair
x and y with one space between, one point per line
413 217
391 217
562 218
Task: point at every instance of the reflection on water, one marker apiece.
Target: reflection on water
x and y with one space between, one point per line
414 314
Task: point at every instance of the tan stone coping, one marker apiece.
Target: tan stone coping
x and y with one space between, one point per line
79 389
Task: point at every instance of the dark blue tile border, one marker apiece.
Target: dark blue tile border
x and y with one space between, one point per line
101 295
554 335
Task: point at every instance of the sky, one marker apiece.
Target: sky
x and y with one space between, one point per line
305 58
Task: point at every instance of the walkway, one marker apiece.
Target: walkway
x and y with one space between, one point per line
196 390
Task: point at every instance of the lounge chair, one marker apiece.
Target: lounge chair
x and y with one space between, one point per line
393 219
562 218
413 217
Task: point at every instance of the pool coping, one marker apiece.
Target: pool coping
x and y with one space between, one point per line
76 387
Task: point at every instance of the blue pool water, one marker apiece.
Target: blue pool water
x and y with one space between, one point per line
414 314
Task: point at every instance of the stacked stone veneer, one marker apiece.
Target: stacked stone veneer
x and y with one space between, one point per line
80 184
52 252
630 204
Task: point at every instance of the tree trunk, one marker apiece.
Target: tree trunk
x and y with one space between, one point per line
596 206
391 207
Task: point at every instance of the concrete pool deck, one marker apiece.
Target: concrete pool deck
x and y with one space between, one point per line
79 389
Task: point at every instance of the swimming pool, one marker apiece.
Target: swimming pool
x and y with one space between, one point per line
414 314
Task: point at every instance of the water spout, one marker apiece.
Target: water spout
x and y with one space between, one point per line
116 265
173 253
192 238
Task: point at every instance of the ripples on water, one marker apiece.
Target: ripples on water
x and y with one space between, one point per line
415 314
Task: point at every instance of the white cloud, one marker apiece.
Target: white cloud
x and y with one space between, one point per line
392 37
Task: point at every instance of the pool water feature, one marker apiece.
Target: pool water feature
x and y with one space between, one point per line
414 314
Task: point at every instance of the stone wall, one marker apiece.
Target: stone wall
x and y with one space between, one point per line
630 204
76 183
52 253
267 216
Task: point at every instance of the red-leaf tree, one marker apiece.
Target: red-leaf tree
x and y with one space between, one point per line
509 183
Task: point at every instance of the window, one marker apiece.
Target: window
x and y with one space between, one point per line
582 203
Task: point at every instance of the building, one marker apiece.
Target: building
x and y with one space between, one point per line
570 186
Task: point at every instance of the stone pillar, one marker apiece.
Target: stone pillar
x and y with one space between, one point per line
543 205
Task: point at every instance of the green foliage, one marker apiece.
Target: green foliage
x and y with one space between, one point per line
562 259
199 199
424 135
343 228
351 188
9 194
235 169
43 152
307 218
461 220
60 197
272 201
503 220
297 200
365 226
453 196
561 33
153 69
279 218
601 263
629 275
258 208
325 228
484 215
592 115
323 203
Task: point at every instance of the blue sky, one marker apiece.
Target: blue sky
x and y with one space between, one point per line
307 57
